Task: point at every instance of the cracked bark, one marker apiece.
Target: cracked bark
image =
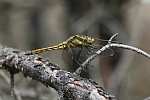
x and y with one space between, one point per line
67 84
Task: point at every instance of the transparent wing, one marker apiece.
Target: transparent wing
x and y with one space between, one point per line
93 49
67 56
74 54
98 44
107 53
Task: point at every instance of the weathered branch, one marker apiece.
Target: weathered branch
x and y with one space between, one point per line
67 84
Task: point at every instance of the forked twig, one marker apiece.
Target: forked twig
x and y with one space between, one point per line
109 45
109 41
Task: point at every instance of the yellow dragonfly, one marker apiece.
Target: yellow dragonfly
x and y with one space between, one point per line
76 41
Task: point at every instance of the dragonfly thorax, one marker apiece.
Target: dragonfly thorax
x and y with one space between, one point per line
85 40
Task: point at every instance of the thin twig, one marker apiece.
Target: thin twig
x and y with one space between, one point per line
6 78
109 41
109 45
12 86
148 98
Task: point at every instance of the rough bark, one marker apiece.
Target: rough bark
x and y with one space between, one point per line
67 84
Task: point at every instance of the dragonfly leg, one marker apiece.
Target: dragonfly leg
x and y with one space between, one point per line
70 49
81 61
78 55
89 50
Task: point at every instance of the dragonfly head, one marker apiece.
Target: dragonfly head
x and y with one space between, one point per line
89 40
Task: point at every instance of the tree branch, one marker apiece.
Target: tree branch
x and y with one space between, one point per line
67 84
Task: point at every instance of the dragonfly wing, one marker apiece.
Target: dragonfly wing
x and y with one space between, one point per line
107 53
67 56
91 50
99 43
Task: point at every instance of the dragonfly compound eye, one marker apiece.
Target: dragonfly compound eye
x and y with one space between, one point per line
89 40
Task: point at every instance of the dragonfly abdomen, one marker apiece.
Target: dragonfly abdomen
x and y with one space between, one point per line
60 46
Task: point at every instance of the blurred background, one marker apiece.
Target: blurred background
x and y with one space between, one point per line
32 24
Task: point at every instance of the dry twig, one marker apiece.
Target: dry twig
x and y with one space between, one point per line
110 45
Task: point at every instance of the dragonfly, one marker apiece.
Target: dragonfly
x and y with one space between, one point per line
76 41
